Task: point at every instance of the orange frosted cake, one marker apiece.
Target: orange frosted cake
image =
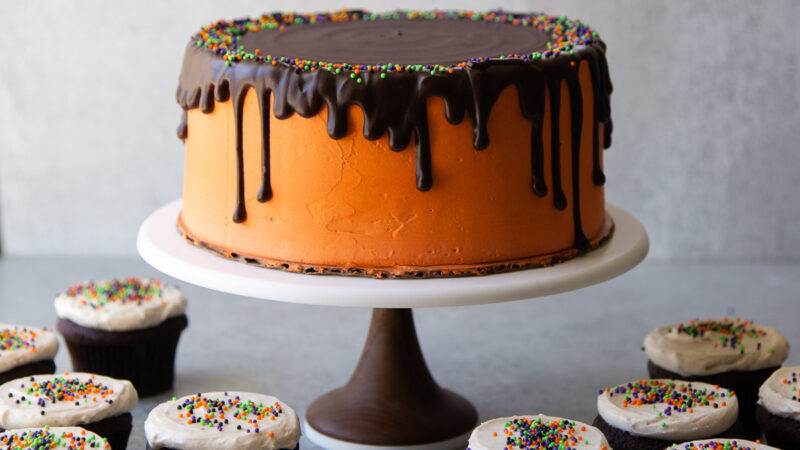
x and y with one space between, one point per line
401 144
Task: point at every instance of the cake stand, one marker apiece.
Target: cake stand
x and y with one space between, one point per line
391 400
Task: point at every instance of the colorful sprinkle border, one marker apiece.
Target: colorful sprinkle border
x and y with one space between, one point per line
222 38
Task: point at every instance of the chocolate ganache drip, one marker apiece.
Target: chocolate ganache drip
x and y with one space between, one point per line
393 63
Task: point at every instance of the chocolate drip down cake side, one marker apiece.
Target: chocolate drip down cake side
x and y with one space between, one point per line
396 145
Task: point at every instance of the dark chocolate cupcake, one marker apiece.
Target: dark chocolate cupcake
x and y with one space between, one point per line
222 421
721 444
26 351
654 414
97 403
531 430
733 353
778 412
53 438
125 328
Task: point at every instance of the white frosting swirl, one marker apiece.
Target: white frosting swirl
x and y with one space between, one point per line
716 444
660 418
712 351
780 394
170 424
491 435
21 345
96 398
57 438
116 310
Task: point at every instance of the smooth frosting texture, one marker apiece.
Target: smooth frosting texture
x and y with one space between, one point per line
494 434
52 438
22 345
120 305
223 420
721 444
714 346
64 400
780 394
668 409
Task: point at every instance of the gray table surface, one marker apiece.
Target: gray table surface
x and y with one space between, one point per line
547 355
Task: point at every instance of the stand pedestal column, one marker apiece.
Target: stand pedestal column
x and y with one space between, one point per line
391 398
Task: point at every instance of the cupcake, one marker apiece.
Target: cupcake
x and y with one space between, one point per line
223 420
99 404
52 438
778 411
124 328
736 354
654 414
722 444
26 351
536 432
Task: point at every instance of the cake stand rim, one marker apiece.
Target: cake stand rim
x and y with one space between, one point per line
161 246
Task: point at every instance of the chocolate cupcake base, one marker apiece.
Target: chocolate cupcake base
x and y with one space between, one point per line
622 440
744 383
297 447
779 431
115 429
145 357
46 366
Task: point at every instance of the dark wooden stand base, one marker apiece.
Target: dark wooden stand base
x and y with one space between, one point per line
391 398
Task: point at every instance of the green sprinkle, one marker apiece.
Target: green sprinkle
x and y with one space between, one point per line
383 75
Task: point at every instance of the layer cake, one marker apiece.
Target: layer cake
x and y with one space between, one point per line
401 144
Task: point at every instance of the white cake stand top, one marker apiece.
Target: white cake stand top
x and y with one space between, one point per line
164 248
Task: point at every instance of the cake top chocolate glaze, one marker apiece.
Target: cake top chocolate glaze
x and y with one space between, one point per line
399 41
389 65
361 40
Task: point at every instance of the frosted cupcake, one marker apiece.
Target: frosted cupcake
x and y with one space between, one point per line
223 420
733 353
536 432
26 351
124 328
53 438
722 444
99 404
654 414
778 412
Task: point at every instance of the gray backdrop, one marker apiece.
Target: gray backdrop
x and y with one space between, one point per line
706 111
